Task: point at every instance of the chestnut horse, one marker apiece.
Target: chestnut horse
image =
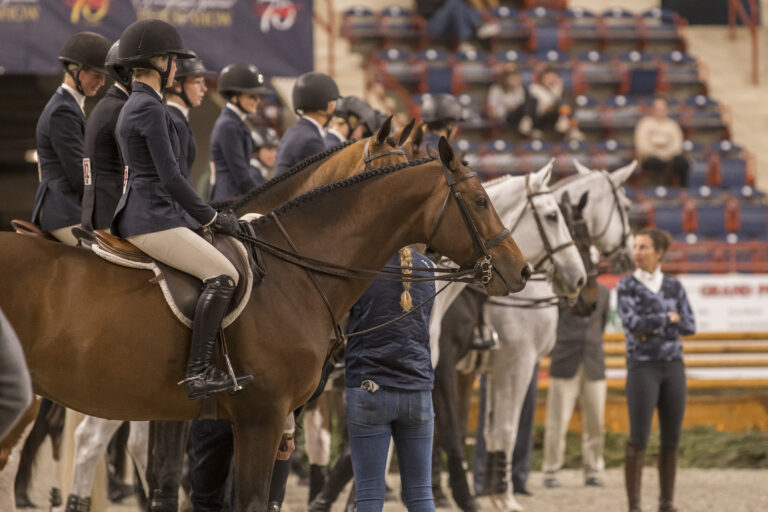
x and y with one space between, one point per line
99 338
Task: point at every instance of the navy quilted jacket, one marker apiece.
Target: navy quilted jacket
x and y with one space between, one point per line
650 334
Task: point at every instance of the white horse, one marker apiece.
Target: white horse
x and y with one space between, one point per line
529 334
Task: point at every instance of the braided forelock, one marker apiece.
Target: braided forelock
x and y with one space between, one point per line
237 202
345 183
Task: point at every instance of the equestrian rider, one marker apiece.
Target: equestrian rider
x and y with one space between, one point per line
59 136
231 144
441 113
314 100
352 119
103 156
159 209
265 141
187 92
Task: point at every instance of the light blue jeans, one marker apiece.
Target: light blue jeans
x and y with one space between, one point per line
408 418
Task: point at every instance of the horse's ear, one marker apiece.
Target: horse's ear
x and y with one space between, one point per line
619 176
447 155
581 168
541 177
384 130
432 152
417 136
405 132
565 198
583 201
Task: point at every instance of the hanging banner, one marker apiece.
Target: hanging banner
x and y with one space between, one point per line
275 35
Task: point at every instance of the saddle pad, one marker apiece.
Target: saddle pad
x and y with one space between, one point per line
182 290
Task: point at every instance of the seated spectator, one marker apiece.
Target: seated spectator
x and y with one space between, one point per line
546 112
659 147
450 20
507 98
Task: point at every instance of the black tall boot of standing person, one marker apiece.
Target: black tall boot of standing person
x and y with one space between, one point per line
667 470
633 472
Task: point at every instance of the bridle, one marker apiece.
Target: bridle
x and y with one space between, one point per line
368 158
549 250
616 207
482 248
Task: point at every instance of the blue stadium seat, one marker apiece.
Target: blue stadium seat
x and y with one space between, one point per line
567 151
561 62
726 148
471 68
662 193
711 219
399 65
613 154
753 219
546 30
588 115
360 24
583 30
626 112
512 29
594 69
681 73
693 148
669 217
642 72
733 172
704 117
398 24
439 74
704 193
474 112
620 29
747 193
661 29
521 60
698 175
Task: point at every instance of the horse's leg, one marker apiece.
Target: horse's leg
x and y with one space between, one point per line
168 444
92 437
138 441
255 451
10 455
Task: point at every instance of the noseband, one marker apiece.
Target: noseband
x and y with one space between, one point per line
368 158
482 248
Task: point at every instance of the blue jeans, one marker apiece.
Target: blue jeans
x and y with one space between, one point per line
408 418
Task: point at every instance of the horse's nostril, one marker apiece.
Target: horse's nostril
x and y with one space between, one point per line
581 282
525 273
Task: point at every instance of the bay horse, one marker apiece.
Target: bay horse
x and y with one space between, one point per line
163 460
119 351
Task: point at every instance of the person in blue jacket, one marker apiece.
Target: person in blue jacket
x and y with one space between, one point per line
389 381
231 144
159 210
59 136
441 114
654 310
187 92
314 100
265 141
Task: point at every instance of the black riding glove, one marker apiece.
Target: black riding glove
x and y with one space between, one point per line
227 224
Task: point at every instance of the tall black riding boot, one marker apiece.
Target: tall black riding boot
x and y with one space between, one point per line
633 472
337 479
496 474
203 378
164 501
667 470
316 480
78 504
280 473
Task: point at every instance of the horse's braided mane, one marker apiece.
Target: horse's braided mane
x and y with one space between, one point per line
237 202
345 183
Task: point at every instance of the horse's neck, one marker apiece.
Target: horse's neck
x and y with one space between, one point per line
280 192
361 226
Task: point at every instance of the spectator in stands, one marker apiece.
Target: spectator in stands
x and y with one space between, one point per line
577 370
450 20
507 98
441 113
659 146
546 112
655 312
265 140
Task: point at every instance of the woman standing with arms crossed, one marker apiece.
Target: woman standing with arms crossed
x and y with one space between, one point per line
389 380
655 312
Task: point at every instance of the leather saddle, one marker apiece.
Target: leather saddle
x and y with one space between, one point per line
181 290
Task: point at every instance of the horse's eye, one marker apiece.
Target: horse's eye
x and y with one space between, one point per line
482 202
552 217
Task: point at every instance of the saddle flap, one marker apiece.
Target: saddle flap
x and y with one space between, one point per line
23 227
120 247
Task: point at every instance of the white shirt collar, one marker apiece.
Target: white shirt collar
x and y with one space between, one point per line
338 134
317 125
79 98
651 280
120 86
234 108
182 108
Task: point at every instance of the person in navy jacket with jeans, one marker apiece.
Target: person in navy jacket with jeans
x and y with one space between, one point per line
59 135
314 99
655 312
389 379
159 210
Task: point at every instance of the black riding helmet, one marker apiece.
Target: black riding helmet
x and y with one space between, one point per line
85 50
184 69
144 39
115 70
443 108
313 91
353 108
264 136
241 78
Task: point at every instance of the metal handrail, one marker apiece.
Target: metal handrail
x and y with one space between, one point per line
736 9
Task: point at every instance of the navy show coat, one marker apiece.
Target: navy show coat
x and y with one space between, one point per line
157 196
59 137
187 144
231 150
332 139
300 141
107 168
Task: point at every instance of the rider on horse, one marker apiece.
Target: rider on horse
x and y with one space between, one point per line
231 144
59 135
442 113
159 209
352 119
265 141
314 99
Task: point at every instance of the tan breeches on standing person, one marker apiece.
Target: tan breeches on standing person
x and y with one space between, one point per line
182 249
561 399
65 236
